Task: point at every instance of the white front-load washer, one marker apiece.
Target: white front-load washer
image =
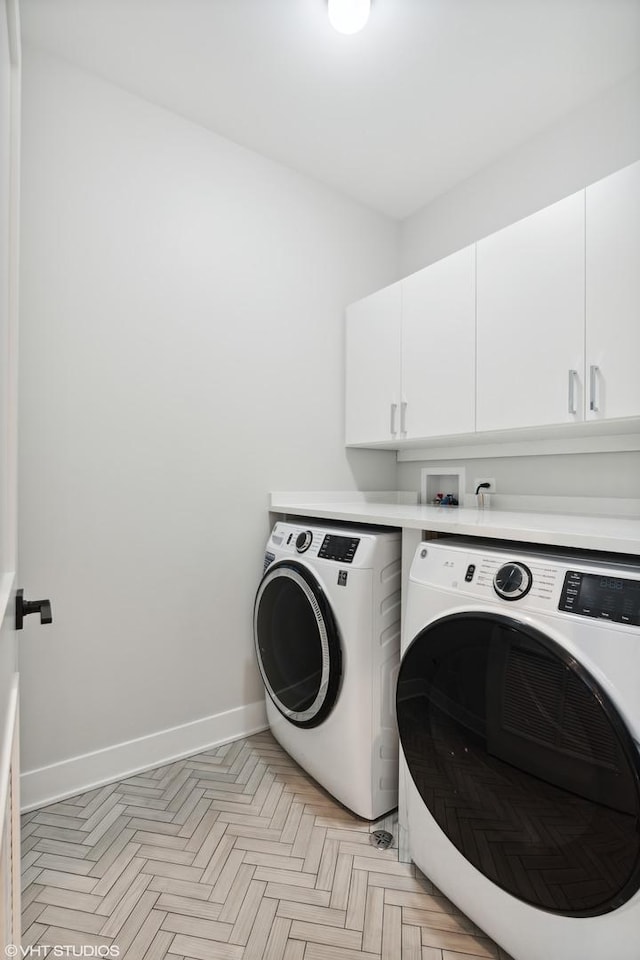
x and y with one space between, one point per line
518 706
327 639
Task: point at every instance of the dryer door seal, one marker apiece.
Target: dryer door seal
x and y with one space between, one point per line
297 644
523 761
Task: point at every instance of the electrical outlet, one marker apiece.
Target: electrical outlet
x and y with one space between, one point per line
490 480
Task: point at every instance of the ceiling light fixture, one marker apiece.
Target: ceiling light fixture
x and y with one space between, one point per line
348 16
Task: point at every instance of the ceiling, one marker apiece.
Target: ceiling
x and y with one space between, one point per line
427 94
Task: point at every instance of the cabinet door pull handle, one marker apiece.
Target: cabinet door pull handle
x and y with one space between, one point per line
392 425
403 416
593 387
573 376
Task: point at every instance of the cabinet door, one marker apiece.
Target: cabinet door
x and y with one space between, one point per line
613 295
373 367
530 320
438 347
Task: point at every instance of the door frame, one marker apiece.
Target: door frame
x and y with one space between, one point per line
10 930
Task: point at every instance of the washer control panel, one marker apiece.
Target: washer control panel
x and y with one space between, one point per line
597 587
601 596
514 579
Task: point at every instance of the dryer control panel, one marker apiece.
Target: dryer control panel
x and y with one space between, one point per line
601 596
364 548
342 549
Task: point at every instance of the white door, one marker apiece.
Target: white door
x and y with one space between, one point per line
530 320
439 347
613 295
9 766
372 400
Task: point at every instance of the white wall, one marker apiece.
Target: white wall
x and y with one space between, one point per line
181 355
605 476
594 141
588 144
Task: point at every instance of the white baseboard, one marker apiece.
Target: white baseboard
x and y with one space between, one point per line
78 774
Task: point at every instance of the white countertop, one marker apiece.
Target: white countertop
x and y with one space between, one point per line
615 534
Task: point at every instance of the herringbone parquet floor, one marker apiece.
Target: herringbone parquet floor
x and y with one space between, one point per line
233 854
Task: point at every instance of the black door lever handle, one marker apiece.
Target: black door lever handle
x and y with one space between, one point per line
25 607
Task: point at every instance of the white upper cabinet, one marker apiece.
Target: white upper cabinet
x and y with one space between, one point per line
410 356
438 348
530 320
537 325
613 296
373 367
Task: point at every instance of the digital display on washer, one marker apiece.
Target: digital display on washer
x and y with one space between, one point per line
603 597
338 548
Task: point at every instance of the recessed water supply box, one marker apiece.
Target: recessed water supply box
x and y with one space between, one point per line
443 485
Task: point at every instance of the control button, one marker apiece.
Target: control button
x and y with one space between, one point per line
470 572
512 581
304 540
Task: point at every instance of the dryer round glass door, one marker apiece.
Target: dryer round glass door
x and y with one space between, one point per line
297 644
523 762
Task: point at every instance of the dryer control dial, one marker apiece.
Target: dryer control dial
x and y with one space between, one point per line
303 541
513 581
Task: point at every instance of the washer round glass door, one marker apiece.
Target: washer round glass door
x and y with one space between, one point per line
297 644
523 761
